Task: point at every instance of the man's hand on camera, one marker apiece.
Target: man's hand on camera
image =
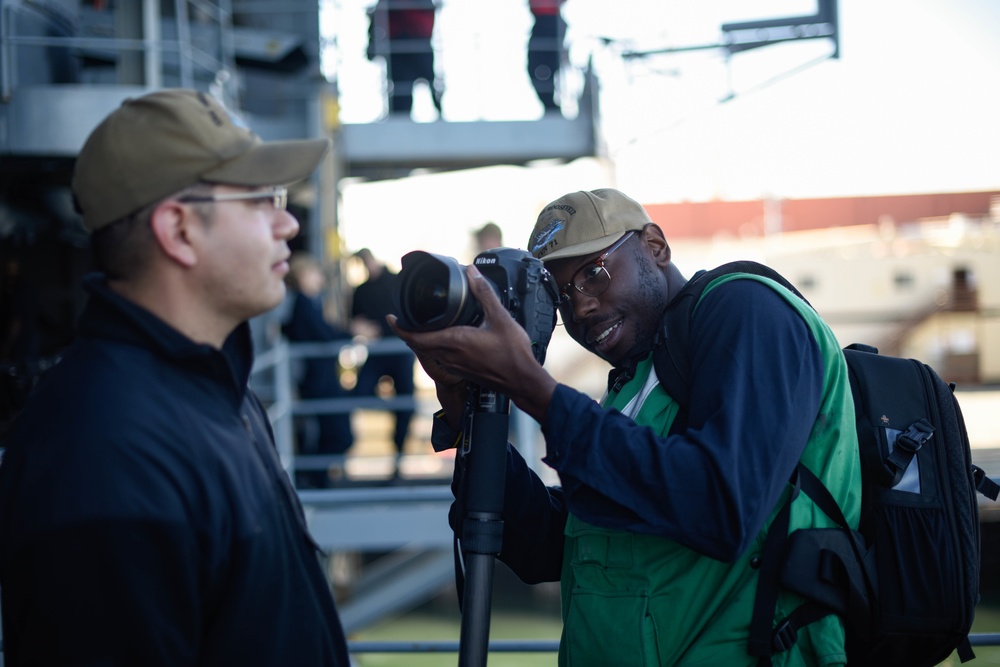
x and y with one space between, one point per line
496 354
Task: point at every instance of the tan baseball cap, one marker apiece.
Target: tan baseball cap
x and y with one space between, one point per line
583 222
160 143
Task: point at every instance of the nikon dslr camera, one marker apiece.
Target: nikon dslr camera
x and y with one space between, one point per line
433 293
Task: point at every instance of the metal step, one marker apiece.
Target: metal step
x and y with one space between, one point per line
394 584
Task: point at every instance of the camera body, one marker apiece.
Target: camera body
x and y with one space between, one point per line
432 292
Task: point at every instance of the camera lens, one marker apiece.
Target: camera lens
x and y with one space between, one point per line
433 293
429 293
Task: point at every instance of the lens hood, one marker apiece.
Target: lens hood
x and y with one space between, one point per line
433 293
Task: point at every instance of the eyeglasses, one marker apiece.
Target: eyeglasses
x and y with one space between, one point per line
278 197
593 279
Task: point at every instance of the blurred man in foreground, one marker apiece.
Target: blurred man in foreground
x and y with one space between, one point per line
144 515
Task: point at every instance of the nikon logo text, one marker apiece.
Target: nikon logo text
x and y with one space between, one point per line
486 260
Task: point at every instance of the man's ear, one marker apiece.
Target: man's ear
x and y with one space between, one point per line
653 236
171 224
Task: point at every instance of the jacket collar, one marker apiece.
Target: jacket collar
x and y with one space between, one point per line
110 315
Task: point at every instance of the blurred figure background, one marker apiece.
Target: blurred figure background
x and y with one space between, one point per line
487 237
325 434
373 300
400 31
545 49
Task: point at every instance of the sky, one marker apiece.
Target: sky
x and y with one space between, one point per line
910 106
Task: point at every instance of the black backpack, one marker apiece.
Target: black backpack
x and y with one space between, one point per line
906 582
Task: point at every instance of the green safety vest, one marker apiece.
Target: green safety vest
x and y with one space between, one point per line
633 599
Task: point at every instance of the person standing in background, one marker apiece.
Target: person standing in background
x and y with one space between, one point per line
320 375
545 49
400 31
373 300
488 237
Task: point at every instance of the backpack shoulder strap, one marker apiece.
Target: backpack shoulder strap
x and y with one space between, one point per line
672 346
830 568
672 362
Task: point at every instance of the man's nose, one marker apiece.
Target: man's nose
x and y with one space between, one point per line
286 226
581 304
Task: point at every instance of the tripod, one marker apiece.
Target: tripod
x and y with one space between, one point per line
482 486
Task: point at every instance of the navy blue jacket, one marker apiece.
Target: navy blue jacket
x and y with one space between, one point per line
307 324
711 484
144 515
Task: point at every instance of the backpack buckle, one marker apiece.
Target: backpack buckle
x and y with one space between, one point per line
905 448
915 436
785 636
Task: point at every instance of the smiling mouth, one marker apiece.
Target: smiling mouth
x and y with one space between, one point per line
599 338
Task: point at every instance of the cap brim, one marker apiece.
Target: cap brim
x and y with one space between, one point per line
585 248
272 163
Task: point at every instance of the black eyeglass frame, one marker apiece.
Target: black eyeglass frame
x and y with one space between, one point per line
277 195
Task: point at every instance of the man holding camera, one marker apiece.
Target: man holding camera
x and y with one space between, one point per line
145 518
657 528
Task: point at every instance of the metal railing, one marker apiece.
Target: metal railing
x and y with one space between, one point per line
150 45
283 406
523 645
275 382
535 645
451 646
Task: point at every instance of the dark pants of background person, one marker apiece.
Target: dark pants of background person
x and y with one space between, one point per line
404 70
399 367
333 434
544 53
